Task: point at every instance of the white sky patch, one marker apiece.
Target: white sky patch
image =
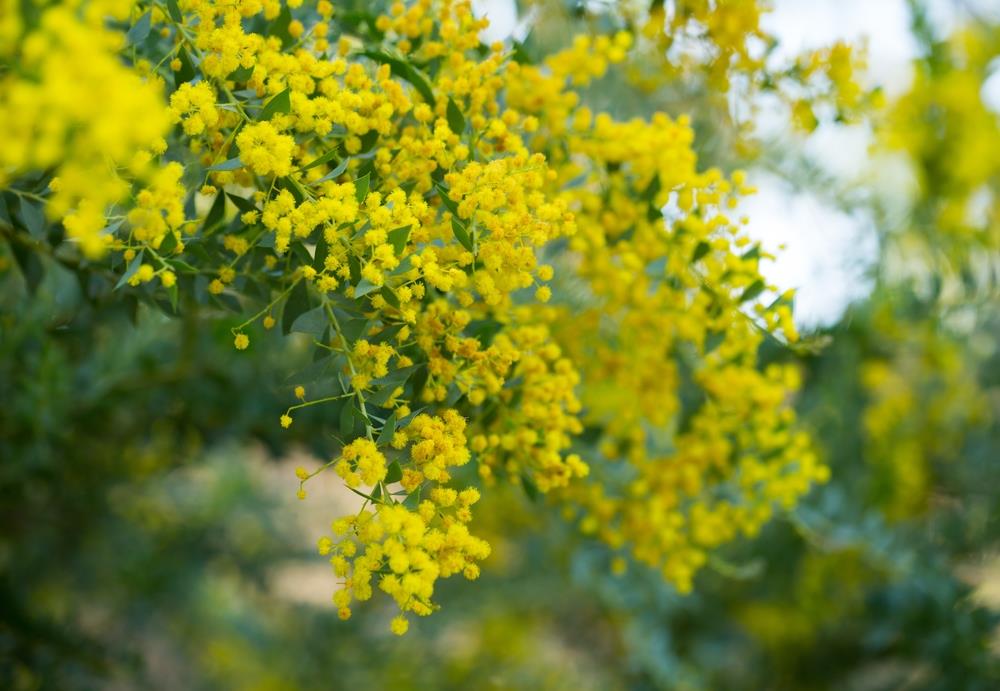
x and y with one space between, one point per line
503 19
803 25
991 88
826 251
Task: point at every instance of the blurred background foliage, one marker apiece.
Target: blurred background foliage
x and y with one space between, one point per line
150 538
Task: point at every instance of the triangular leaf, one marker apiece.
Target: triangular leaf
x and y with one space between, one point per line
216 213
281 103
364 287
139 30
325 158
175 11
461 234
34 219
398 238
361 187
133 266
446 200
297 303
385 437
456 121
313 322
241 74
336 172
244 205
755 289
231 164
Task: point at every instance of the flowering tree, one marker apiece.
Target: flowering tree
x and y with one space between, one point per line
478 283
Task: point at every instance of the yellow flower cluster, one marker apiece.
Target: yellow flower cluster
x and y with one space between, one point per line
264 150
921 402
159 207
370 361
291 220
953 155
361 462
68 103
194 106
534 422
672 308
404 548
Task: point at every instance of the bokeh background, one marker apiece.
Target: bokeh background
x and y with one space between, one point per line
150 536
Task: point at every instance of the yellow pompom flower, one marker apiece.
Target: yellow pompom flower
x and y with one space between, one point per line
399 625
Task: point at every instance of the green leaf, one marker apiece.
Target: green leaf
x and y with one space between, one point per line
456 121
446 200
398 238
347 420
401 68
321 253
713 339
353 329
34 219
398 377
412 500
755 289
31 266
652 189
133 266
361 187
228 302
186 72
364 287
182 266
325 158
301 253
354 265
394 473
174 294
313 322
484 330
175 11
461 234
279 27
336 172
296 304
244 205
5 209
240 74
231 164
520 55
381 396
389 296
168 245
529 488
700 250
216 213
385 437
281 103
368 140
139 30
